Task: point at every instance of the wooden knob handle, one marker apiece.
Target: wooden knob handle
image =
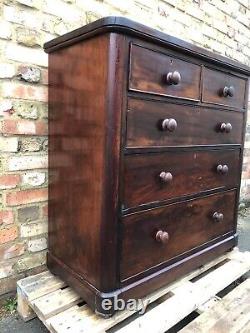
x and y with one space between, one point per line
228 91
162 236
218 217
166 177
223 169
169 125
226 127
173 78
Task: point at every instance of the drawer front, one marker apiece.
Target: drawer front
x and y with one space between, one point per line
190 125
182 227
156 73
161 176
223 89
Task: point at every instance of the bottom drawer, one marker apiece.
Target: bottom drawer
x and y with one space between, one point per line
160 234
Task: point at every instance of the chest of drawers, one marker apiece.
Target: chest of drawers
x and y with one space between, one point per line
146 138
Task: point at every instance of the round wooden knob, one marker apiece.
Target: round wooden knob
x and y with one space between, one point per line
162 236
228 91
166 177
223 169
169 124
218 217
173 78
226 127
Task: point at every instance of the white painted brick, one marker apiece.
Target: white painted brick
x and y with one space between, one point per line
33 229
31 3
27 162
5 30
8 144
33 178
7 71
26 55
35 245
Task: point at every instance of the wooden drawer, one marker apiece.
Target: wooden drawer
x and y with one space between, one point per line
152 72
188 225
224 89
195 125
161 176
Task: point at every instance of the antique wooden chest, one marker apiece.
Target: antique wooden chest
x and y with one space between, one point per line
146 138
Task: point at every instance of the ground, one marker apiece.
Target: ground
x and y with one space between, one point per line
12 323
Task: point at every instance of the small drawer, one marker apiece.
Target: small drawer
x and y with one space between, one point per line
157 177
158 235
224 89
156 73
158 124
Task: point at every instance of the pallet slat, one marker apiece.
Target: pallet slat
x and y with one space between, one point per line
55 302
230 315
58 308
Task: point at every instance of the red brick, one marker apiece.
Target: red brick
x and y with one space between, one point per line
9 181
7 235
11 251
24 91
27 196
6 217
28 127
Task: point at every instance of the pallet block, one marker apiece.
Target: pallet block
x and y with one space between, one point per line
62 310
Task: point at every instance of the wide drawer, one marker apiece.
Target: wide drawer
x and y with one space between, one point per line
156 73
224 89
158 235
156 124
157 177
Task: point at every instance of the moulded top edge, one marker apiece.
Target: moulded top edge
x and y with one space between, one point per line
132 28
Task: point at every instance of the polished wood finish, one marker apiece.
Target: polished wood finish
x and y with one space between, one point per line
223 89
188 225
194 125
144 158
157 73
186 173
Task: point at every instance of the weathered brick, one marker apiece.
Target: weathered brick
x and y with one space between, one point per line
45 211
9 181
31 3
27 127
27 162
28 37
35 245
26 55
6 269
33 179
33 229
22 16
11 251
12 89
27 110
31 144
6 217
28 214
6 108
7 71
26 196
31 261
5 30
29 74
8 234
8 144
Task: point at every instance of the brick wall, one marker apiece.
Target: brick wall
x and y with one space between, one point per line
222 26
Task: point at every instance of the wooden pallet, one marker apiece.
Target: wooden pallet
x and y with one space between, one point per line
62 310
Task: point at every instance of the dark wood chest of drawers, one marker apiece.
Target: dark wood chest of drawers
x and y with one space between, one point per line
145 156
